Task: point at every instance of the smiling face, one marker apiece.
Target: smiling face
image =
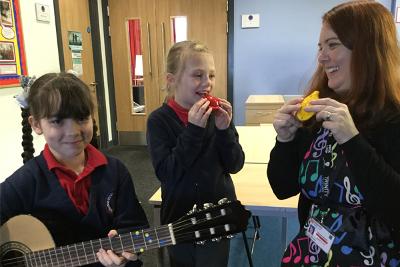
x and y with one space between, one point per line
196 79
67 138
60 106
335 59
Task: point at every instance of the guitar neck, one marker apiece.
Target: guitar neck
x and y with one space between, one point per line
85 252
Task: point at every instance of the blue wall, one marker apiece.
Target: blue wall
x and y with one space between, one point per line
280 56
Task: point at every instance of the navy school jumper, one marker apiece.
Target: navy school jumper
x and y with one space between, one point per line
34 189
192 163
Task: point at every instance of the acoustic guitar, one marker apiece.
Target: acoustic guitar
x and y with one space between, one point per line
25 241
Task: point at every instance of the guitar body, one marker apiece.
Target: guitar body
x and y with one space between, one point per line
23 234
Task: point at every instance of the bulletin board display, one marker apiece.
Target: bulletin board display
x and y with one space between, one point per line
12 53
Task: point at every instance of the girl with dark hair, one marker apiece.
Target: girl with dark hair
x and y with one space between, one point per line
78 192
345 161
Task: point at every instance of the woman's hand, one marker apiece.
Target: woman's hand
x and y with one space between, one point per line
109 258
285 123
336 117
223 115
199 113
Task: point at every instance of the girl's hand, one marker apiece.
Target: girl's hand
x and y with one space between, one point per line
223 115
199 113
336 117
109 258
285 123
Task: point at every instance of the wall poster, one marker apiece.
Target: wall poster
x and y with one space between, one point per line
12 53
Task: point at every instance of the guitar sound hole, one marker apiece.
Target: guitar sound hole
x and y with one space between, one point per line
12 254
13 258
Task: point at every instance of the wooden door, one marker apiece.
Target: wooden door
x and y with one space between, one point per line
119 14
207 21
74 17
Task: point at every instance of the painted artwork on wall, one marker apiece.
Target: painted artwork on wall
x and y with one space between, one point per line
12 53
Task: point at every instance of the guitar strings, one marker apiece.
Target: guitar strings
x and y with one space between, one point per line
52 259
36 259
85 259
43 260
81 260
176 227
184 222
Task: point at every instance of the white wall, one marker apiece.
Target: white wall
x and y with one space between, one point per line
41 53
40 39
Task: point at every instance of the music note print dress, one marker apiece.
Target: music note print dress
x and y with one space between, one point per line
325 178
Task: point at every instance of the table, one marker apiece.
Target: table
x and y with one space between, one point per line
257 142
255 193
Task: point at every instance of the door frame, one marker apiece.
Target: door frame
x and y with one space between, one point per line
98 67
98 72
230 67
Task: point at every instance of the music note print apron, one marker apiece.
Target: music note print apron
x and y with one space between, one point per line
338 231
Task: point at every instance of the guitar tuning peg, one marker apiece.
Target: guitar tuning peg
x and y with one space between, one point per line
230 236
193 210
223 200
200 242
207 205
216 239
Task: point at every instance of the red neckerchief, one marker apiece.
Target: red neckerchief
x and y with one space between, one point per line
76 186
180 111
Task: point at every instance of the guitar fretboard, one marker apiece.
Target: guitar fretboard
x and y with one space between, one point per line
85 252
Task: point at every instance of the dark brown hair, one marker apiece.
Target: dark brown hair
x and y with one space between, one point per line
366 28
60 95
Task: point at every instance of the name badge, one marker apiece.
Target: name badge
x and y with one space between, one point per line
320 235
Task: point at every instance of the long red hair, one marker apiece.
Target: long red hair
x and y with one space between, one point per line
366 28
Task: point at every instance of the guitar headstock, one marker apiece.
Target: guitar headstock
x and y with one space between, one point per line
212 222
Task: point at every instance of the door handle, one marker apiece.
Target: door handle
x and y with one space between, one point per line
149 47
163 42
